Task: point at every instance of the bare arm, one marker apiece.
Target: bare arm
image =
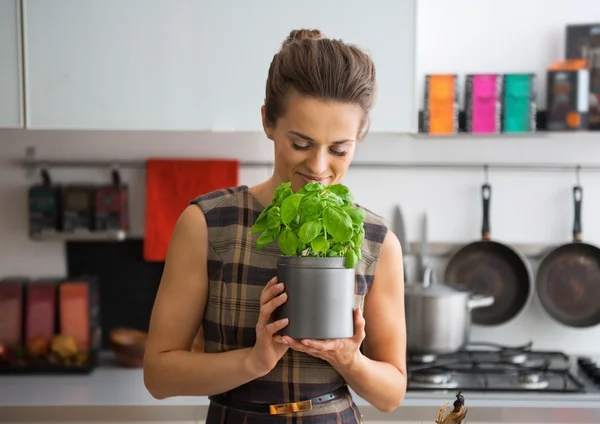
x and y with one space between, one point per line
170 366
379 376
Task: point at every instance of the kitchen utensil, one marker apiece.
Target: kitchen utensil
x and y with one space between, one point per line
128 345
111 205
568 278
490 268
400 231
78 208
438 317
44 206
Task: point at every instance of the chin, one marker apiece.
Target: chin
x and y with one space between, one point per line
298 181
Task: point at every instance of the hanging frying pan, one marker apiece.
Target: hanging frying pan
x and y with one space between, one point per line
568 279
490 268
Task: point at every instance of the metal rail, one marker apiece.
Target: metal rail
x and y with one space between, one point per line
31 163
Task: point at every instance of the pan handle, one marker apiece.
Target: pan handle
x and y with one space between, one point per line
577 199
486 194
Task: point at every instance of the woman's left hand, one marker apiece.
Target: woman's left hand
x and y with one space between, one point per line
340 353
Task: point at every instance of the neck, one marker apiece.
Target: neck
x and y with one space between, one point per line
263 192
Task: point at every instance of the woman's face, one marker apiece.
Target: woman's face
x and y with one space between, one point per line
315 140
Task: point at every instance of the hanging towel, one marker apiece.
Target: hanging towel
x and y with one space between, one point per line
170 185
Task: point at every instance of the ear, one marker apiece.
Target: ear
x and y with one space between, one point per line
266 127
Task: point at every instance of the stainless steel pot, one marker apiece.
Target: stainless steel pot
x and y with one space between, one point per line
438 317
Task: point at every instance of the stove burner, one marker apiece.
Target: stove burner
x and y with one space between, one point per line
433 379
529 379
423 359
513 357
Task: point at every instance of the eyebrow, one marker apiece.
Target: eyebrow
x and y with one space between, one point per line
307 138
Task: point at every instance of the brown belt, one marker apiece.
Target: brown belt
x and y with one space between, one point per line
280 408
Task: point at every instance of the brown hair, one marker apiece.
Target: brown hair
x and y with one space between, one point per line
316 66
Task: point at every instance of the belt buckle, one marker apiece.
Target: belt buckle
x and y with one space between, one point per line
285 408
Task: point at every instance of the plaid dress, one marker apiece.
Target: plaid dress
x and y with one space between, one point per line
237 273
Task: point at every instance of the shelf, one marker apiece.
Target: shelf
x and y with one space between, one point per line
523 135
117 235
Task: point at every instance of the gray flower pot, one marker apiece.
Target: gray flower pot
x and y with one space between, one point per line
320 297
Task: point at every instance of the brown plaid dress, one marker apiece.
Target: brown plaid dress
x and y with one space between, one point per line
237 273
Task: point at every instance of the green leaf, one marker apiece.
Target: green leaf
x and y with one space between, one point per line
310 230
267 237
320 244
356 214
261 222
288 242
333 199
351 259
289 208
342 191
338 223
359 238
316 221
311 187
280 192
274 218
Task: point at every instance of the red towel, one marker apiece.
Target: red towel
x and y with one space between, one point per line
170 185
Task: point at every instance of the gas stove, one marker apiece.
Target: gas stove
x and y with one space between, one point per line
495 368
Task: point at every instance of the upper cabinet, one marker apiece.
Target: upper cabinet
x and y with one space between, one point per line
195 65
10 66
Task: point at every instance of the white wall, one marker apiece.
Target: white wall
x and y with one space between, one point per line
527 207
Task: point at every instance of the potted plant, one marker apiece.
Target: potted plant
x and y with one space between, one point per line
320 233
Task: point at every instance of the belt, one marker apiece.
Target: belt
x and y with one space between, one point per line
280 408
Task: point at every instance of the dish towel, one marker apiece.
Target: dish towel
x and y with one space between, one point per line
170 185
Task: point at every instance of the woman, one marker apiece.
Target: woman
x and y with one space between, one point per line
217 286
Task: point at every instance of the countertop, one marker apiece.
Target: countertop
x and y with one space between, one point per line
123 391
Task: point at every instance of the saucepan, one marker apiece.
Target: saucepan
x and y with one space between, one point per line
438 316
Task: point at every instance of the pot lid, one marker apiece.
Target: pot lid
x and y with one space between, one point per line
432 290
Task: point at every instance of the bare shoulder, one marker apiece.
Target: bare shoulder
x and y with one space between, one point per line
181 297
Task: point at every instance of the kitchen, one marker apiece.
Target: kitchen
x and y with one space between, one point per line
68 96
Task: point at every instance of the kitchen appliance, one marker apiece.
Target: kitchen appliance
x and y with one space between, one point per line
568 278
491 268
489 367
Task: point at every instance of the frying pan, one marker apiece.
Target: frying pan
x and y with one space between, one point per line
490 268
568 279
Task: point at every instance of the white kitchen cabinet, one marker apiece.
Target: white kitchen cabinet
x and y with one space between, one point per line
10 65
195 65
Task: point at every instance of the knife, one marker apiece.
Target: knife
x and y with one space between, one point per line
400 231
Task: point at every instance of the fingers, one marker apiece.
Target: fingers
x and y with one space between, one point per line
270 300
270 284
359 326
274 327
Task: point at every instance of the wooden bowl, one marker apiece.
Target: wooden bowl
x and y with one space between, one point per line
128 345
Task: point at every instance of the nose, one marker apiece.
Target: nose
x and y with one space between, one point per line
317 162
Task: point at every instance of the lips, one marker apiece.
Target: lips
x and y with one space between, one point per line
309 178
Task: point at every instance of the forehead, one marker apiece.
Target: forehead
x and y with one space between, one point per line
322 120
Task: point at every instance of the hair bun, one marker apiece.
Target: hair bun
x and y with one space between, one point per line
303 34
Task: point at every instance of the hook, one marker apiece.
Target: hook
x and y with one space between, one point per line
45 177
577 174
486 173
116 176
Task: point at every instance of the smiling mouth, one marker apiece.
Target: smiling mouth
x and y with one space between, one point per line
309 178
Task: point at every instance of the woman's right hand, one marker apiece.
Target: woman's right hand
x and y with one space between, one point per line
267 351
